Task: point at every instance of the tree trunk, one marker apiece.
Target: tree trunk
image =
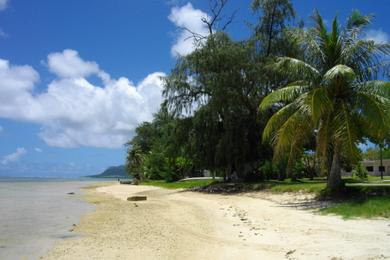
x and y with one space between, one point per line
290 170
281 175
270 36
335 182
381 159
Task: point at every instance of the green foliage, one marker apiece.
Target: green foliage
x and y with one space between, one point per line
317 91
268 33
221 80
374 153
331 95
154 152
360 172
368 208
268 170
306 186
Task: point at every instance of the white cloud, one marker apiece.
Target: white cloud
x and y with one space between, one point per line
16 85
378 36
68 64
190 18
3 4
72 111
38 150
14 157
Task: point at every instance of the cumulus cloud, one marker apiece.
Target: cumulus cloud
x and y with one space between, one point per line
68 64
187 18
3 4
74 112
16 85
14 157
378 36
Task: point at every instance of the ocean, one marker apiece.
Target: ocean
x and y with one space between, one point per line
35 213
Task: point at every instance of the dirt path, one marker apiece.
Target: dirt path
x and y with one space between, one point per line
186 225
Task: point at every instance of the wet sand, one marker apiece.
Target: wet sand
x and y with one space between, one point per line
173 224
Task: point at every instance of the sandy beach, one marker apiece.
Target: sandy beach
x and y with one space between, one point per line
174 224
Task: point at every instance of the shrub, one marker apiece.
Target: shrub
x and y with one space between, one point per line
268 170
360 172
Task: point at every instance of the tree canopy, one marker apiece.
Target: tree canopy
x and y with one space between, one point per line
283 101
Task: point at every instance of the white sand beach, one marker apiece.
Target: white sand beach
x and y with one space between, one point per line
173 224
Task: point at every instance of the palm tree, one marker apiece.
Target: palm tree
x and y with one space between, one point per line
135 161
332 95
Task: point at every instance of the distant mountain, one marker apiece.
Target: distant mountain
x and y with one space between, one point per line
112 172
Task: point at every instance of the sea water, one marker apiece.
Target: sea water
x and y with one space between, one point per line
34 213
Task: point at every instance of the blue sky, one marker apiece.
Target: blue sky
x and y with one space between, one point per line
78 76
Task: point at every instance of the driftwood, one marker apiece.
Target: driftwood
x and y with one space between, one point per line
125 182
136 198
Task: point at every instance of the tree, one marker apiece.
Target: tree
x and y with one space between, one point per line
218 86
374 153
331 93
138 148
272 23
159 149
134 162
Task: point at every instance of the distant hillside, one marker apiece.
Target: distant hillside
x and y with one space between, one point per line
113 172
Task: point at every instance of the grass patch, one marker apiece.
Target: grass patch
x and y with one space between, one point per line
178 184
369 208
314 187
353 187
287 185
360 201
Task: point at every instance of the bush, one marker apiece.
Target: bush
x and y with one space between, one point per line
360 172
268 170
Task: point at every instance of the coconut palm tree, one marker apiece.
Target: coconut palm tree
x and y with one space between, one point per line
332 94
134 162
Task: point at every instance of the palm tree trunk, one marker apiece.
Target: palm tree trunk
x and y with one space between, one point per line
290 170
335 182
381 160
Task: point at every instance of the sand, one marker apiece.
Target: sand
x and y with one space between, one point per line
174 224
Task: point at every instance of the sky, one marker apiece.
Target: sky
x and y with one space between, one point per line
77 77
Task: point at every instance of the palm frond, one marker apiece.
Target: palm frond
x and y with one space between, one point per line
375 87
320 29
338 72
277 120
286 94
366 58
295 68
357 20
375 111
293 133
320 103
346 131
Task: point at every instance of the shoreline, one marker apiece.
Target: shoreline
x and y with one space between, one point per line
36 214
173 224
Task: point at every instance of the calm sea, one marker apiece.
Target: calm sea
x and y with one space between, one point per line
34 213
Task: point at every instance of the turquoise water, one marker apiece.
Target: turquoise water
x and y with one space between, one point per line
37 212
